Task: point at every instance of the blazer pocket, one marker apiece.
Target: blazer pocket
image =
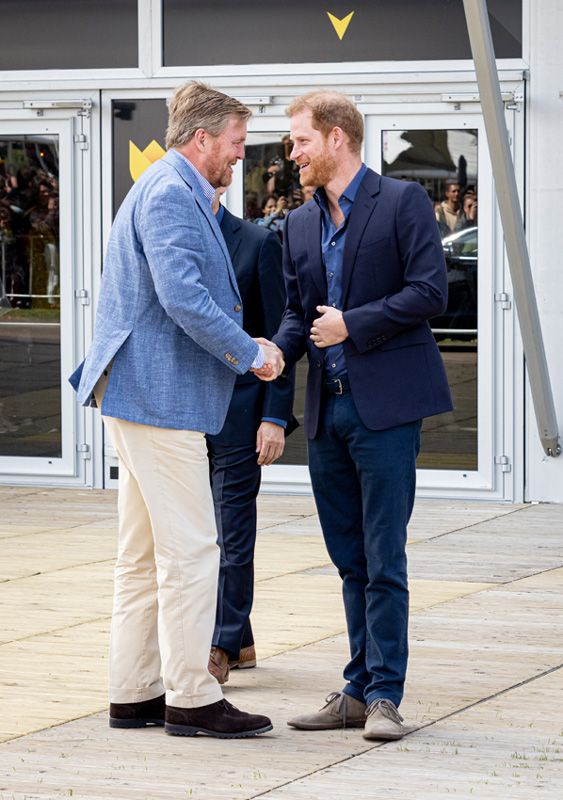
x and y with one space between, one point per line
407 339
376 242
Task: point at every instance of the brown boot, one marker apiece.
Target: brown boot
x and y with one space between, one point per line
219 664
137 715
221 720
246 659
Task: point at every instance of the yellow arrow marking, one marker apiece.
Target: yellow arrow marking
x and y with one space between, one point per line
340 25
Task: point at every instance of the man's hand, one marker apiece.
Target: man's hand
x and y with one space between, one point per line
270 442
330 328
273 361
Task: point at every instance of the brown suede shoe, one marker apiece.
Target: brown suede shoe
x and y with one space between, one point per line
137 715
219 664
221 720
340 711
246 659
384 721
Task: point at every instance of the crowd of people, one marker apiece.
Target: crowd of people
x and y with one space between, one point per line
282 192
29 234
275 191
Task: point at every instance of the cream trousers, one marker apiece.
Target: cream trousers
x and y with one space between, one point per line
167 566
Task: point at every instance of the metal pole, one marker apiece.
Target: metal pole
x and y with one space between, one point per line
513 226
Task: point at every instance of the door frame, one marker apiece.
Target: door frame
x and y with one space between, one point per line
496 365
69 120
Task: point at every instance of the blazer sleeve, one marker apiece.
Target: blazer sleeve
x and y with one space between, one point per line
278 394
425 290
170 231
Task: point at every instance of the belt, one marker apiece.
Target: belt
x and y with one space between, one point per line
337 385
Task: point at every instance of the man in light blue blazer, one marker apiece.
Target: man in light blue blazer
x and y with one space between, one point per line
167 347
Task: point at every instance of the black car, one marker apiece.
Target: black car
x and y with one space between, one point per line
459 321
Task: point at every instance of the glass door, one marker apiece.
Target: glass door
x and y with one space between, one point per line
447 154
39 216
264 188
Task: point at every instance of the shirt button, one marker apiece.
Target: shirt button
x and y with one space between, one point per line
333 366
331 274
238 307
333 244
334 305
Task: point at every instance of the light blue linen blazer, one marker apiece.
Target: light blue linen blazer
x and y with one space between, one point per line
169 313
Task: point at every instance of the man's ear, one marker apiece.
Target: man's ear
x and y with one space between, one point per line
337 137
200 139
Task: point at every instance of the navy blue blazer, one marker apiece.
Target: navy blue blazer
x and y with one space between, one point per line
256 256
394 280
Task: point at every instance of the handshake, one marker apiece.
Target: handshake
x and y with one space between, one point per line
274 362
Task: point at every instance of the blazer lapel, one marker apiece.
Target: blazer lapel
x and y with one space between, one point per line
231 230
364 205
179 163
314 254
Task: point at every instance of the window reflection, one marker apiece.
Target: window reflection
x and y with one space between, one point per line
30 415
445 163
271 189
271 180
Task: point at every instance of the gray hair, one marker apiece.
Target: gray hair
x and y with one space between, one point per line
196 105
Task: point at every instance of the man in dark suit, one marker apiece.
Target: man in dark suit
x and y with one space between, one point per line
364 271
253 436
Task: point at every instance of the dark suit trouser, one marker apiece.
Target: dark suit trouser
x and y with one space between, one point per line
364 483
235 482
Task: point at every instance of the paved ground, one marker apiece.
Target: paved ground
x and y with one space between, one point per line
485 681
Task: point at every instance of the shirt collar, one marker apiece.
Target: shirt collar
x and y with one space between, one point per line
348 194
207 189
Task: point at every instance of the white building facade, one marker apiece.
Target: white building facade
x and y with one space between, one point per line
83 90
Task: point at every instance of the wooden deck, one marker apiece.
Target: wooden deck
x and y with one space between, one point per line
485 684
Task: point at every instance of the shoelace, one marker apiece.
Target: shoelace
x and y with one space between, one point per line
387 709
341 707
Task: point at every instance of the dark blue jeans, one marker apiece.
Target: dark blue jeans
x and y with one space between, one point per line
364 484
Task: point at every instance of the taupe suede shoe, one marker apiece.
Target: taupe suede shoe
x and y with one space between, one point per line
218 664
246 659
340 711
383 721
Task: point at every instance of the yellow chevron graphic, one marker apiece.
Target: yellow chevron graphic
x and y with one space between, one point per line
340 25
139 160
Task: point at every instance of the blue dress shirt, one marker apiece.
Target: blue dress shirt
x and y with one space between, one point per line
332 248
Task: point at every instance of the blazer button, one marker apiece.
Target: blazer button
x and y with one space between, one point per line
238 307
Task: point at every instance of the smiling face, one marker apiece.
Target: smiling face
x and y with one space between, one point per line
311 151
222 152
